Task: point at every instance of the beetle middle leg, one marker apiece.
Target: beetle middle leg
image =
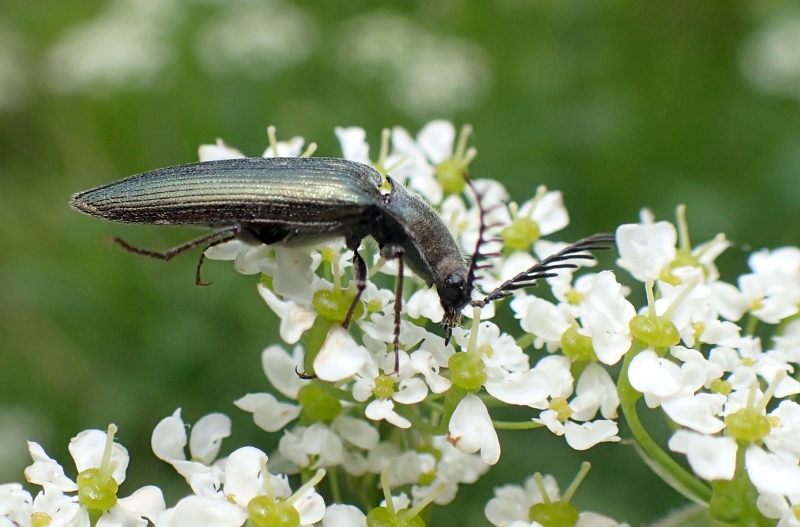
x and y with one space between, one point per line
216 237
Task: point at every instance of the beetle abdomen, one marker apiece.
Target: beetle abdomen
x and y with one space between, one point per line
285 190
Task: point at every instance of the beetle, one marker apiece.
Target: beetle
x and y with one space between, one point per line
299 201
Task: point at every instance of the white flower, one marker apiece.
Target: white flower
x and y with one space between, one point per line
338 515
95 451
595 391
607 319
511 505
710 457
369 382
340 357
218 152
246 479
471 430
646 249
201 472
312 447
453 468
770 474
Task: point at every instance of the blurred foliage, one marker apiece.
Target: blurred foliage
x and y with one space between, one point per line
620 104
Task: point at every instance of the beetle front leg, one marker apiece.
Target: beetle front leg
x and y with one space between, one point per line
360 267
390 252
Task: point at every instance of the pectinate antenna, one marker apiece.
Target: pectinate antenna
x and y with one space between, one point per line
476 263
550 266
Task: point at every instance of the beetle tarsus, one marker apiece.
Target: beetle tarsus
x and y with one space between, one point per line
234 232
304 375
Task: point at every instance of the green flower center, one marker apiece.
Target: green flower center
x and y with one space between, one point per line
384 387
576 346
521 234
267 512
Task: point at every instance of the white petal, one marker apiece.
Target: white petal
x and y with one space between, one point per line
436 140
545 320
63 509
550 213
340 356
530 388
243 478
291 148
471 430
411 391
280 369
87 450
311 507
337 515
207 435
357 431
146 502
202 511
218 152
268 413
596 382
710 457
769 474
646 249
384 409
320 440
424 362
696 411
169 438
585 435
354 144
293 274
425 303
648 373
295 319
47 470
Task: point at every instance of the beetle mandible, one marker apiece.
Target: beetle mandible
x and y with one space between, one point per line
300 201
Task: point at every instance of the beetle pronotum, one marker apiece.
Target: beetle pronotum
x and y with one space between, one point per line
299 201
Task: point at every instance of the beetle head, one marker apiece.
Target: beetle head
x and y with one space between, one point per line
455 293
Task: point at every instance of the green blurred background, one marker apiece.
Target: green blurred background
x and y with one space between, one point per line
620 104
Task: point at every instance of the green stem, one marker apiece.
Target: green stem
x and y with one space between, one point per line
752 322
418 424
433 406
454 396
490 401
677 477
333 391
333 481
516 425
314 341
526 340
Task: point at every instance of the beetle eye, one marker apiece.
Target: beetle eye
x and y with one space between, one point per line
453 288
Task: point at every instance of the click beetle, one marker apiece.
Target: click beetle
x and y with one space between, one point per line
300 201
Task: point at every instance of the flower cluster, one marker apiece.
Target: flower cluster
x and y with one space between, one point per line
686 353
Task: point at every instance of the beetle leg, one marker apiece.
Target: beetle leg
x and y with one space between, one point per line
390 252
226 238
216 237
360 267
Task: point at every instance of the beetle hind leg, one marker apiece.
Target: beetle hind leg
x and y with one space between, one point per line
390 252
216 237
